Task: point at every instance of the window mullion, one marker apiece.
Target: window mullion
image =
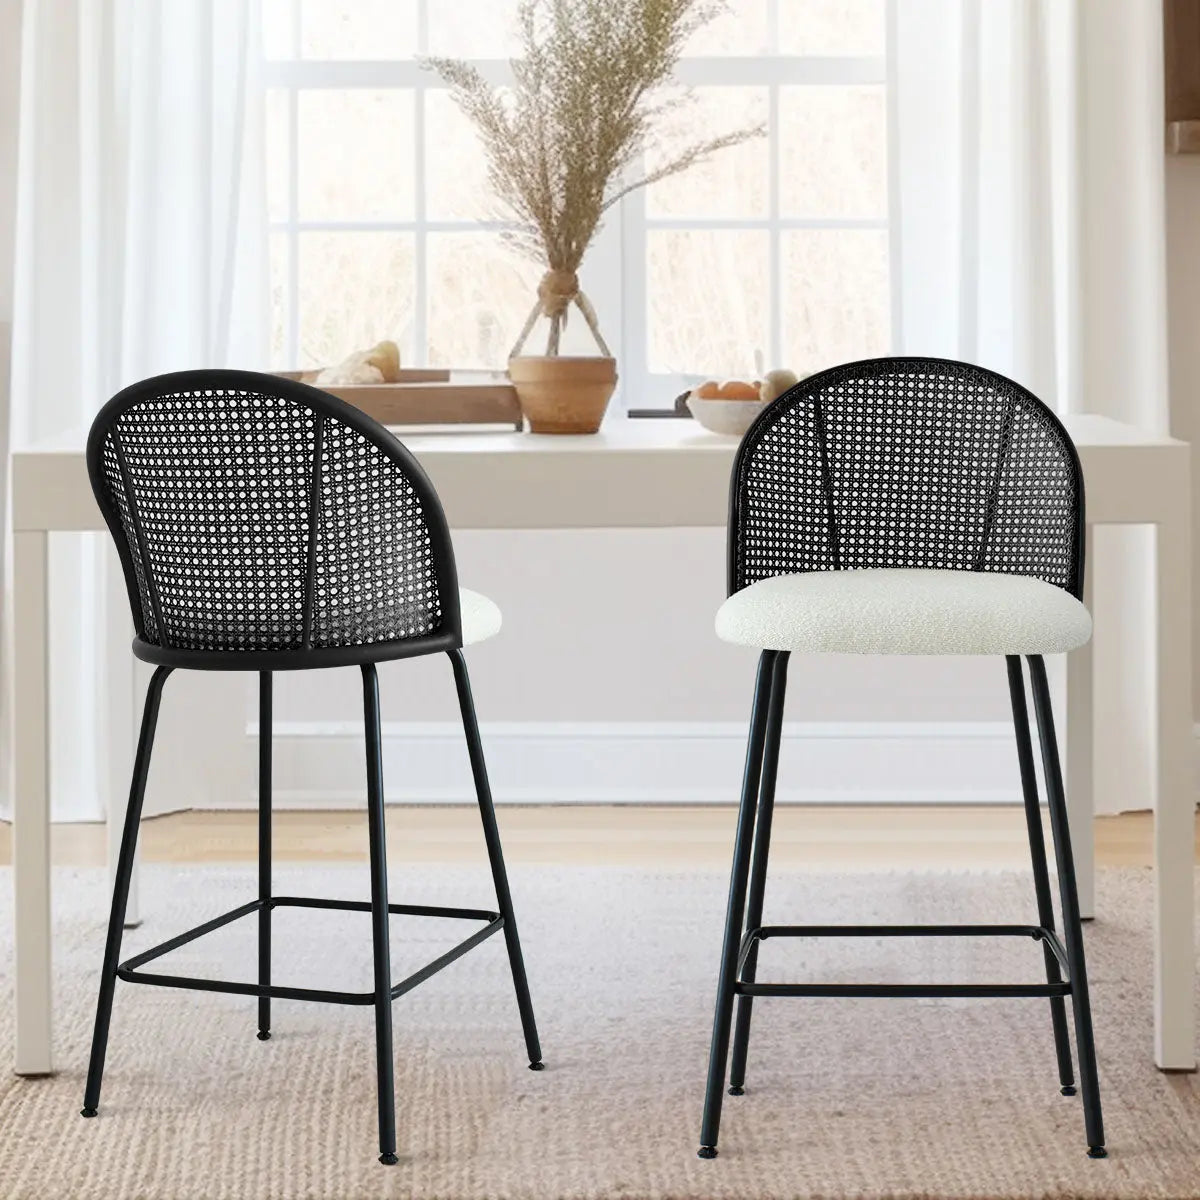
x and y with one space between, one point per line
420 234
775 247
893 176
292 338
420 190
766 222
385 226
634 290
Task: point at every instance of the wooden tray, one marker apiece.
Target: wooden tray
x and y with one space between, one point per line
427 397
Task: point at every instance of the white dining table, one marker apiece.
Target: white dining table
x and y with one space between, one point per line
643 474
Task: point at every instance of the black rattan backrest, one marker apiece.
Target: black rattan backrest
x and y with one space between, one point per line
252 513
907 462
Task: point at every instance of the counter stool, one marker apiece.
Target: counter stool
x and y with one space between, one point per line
265 526
904 506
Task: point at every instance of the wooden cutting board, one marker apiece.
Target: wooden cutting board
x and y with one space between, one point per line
426 397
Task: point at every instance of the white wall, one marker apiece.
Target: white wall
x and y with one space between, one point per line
617 626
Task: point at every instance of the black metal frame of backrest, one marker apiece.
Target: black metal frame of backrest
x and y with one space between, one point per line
907 462
327 429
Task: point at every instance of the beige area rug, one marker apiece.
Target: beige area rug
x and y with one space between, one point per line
866 1098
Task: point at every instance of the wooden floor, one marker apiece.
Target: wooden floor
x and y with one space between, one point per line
673 837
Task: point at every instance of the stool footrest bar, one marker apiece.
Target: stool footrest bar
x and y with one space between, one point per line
743 987
129 971
1033 931
902 990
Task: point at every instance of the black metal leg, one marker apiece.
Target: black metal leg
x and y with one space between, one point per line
1041 873
719 1051
116 916
491 834
379 920
1072 927
758 869
264 851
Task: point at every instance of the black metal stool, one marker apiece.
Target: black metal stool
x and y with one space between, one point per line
266 526
904 506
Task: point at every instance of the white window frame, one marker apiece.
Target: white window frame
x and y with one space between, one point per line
615 269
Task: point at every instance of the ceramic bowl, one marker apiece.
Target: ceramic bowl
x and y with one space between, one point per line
728 417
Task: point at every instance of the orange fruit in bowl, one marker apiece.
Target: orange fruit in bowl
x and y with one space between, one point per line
737 389
710 390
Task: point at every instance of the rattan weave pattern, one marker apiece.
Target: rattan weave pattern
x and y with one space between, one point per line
368 511
255 522
906 462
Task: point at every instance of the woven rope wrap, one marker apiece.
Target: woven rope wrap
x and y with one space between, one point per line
217 490
557 291
907 463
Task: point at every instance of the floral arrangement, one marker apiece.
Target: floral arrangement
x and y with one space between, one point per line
566 142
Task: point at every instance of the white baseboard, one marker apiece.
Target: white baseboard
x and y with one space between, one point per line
321 765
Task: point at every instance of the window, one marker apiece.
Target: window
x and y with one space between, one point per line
774 253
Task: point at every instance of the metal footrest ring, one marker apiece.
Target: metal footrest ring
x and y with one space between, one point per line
744 987
128 970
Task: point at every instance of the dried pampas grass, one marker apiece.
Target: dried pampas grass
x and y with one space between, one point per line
566 143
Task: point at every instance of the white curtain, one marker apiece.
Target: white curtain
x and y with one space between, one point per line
140 243
10 85
140 248
1029 146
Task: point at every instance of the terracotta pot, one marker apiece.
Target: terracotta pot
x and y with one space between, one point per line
563 394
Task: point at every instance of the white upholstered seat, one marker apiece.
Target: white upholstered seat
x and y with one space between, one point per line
480 617
905 611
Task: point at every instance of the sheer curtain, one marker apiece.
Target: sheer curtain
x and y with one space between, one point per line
140 248
1028 137
10 84
1029 141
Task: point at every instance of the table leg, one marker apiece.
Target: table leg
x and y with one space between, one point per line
1174 798
31 805
1080 757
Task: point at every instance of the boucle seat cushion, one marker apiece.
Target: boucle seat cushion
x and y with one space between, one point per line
480 617
905 611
